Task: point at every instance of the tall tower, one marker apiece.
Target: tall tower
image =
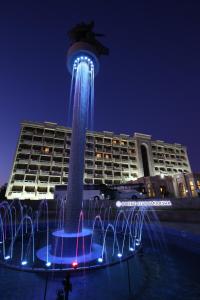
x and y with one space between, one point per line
83 64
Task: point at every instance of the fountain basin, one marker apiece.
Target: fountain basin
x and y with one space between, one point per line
64 244
68 260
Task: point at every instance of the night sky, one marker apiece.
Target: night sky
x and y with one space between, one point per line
149 83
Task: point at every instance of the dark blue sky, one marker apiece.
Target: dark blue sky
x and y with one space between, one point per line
150 83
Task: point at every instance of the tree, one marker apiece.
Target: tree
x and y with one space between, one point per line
3 191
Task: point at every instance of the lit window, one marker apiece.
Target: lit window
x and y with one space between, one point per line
46 150
192 187
98 155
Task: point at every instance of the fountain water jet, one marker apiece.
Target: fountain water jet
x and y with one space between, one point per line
83 64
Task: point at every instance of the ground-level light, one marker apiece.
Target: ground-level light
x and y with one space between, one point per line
7 257
74 264
137 243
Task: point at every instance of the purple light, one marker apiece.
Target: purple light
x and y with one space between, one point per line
74 264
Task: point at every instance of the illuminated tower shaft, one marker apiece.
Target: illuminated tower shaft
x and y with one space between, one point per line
83 84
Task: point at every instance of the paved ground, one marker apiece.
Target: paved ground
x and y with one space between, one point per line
187 227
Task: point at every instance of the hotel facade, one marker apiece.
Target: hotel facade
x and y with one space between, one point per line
42 159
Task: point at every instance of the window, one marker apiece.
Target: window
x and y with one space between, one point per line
46 150
192 188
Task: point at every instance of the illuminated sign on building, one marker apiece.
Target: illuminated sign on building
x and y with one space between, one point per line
143 203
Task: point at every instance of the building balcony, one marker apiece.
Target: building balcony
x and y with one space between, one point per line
42 183
42 193
36 151
17 181
89 166
17 194
27 142
116 152
20 171
32 171
99 167
44 172
23 161
89 157
28 132
37 143
108 167
98 158
91 149
45 162
117 168
56 173
98 175
125 160
29 193
108 159
99 142
49 134
59 145
27 151
59 137
57 163
29 182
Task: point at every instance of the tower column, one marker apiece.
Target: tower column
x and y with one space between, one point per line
76 162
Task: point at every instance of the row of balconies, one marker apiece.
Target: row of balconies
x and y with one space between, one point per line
30 131
35 139
89 146
170 164
170 170
166 156
26 155
167 150
59 165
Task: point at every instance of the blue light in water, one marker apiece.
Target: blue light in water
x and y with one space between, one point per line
137 242
1 242
131 249
48 263
100 259
119 255
7 257
24 262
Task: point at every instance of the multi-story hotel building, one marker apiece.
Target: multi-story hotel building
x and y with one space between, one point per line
42 159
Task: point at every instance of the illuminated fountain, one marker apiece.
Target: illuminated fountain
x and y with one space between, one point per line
73 241
114 235
31 239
